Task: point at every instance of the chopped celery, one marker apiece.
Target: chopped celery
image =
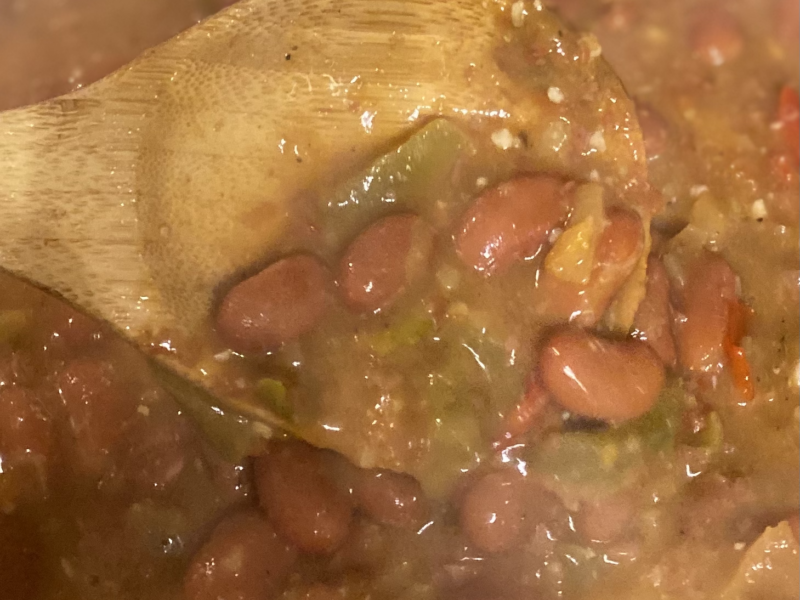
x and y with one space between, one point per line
13 324
407 332
455 448
403 179
273 393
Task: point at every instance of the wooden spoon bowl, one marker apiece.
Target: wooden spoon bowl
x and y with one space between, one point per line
139 197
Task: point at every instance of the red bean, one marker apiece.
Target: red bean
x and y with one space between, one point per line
380 262
157 449
25 427
302 502
511 222
787 23
616 255
653 321
21 559
613 380
493 511
277 305
244 559
717 37
98 408
68 330
391 498
655 131
709 290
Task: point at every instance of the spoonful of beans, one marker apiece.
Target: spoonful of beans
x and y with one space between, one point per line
243 196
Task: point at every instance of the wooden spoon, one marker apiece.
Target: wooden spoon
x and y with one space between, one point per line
137 197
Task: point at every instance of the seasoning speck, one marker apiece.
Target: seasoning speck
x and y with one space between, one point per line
758 210
598 141
555 94
518 13
504 139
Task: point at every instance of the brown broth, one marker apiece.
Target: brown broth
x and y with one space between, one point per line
109 489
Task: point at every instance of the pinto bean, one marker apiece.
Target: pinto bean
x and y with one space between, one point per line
710 288
243 559
381 261
653 321
616 255
493 511
277 305
391 498
716 37
511 222
302 502
613 380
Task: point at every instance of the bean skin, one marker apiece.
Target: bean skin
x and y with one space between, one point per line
612 380
655 131
709 290
379 263
244 559
616 255
605 519
511 222
302 502
25 428
99 408
275 306
391 498
716 37
493 511
653 321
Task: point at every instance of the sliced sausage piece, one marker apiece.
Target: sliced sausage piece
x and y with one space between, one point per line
716 37
618 251
613 380
493 511
391 498
302 502
511 222
382 261
277 305
243 559
653 321
707 296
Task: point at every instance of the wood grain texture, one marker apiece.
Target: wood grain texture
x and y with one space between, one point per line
136 197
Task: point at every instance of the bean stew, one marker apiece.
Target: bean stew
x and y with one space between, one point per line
561 362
